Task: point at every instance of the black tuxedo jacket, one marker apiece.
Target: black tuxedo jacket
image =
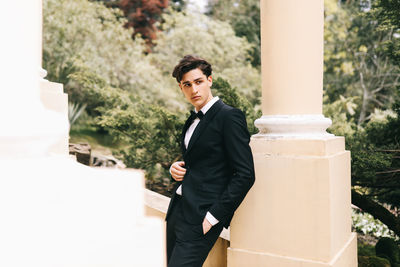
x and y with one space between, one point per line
219 165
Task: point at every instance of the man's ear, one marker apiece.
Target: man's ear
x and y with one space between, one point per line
209 79
180 86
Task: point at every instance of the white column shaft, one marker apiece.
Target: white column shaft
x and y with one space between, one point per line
26 127
292 51
292 56
20 53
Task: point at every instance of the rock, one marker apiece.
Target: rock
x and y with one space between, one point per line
82 151
107 161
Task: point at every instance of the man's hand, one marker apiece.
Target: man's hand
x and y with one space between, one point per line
206 226
177 171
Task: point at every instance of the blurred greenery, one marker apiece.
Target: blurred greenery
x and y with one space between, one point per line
81 34
244 17
355 64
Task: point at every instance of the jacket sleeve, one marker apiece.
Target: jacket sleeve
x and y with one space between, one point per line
240 159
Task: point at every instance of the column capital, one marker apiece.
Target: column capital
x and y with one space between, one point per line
293 126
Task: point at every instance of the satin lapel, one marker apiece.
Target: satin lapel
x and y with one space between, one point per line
204 122
185 127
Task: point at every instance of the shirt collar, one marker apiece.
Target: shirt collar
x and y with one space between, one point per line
208 105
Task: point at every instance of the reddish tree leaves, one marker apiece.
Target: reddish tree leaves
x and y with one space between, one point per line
142 15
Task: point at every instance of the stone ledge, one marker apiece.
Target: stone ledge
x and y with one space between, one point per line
160 203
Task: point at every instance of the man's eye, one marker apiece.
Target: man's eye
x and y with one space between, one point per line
199 82
186 85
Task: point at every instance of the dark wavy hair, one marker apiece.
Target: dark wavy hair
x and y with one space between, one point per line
188 63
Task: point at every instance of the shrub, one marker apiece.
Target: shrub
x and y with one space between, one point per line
387 248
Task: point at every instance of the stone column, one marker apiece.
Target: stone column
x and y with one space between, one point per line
27 128
298 213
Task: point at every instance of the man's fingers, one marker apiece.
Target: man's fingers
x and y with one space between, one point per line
178 172
177 178
178 167
180 163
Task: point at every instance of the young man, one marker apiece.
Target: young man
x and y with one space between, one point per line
217 169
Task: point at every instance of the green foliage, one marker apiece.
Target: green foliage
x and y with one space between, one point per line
150 131
341 112
375 167
364 249
244 16
187 33
152 134
387 12
129 96
360 84
75 110
387 248
384 176
368 258
354 63
231 97
81 34
95 92
372 261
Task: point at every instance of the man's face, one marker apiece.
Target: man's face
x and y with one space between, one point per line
197 88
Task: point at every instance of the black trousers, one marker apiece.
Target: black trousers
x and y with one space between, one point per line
186 243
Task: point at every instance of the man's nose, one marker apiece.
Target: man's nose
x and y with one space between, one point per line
194 88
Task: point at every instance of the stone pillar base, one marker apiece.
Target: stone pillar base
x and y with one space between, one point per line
241 257
298 213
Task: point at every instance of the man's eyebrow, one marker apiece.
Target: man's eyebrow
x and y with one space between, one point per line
197 79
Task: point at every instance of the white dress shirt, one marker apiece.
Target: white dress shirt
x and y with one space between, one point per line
210 218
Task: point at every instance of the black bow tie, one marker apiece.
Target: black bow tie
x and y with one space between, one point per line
195 115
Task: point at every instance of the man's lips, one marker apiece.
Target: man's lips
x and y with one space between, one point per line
196 97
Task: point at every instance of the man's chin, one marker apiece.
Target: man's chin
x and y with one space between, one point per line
197 103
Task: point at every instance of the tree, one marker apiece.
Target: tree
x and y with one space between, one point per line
186 33
387 12
244 17
79 33
360 81
355 64
142 16
376 169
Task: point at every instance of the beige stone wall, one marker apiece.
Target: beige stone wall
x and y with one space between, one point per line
53 98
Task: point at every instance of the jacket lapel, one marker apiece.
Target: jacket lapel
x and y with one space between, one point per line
203 124
185 127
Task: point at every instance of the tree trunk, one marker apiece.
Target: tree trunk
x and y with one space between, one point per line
377 211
